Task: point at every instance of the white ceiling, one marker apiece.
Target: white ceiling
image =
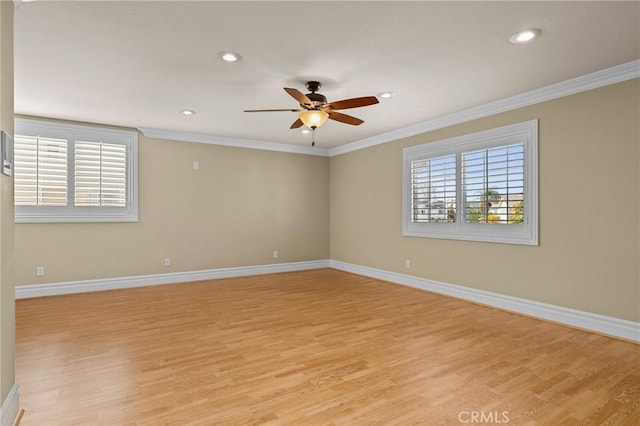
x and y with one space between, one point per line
138 64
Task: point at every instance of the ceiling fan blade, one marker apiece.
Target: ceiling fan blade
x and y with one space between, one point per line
351 103
271 110
296 124
344 118
299 96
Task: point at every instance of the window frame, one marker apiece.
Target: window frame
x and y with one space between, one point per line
526 233
73 133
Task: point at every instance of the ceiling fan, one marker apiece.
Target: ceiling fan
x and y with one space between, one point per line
316 110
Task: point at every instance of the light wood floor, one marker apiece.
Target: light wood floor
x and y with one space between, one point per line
310 348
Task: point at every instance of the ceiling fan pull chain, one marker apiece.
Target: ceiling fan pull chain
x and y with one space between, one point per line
313 137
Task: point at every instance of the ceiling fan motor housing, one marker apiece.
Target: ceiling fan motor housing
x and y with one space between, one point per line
316 98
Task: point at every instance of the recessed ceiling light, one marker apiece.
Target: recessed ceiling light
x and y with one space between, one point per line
525 36
229 56
187 112
305 131
386 95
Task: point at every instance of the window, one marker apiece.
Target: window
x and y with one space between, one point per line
101 174
41 175
493 184
434 189
479 187
73 173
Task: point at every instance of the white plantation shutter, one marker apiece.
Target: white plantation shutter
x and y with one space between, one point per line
100 174
493 182
40 177
433 189
74 173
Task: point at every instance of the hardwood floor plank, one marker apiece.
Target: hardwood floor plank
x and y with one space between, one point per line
313 347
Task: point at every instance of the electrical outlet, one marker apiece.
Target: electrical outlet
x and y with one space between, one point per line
196 165
407 263
40 271
275 254
167 261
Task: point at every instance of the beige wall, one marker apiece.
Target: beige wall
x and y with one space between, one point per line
243 204
235 210
589 207
7 304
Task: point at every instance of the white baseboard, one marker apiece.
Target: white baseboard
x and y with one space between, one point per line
585 320
54 289
589 321
10 407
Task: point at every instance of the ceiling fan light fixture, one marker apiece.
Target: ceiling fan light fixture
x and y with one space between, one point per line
313 118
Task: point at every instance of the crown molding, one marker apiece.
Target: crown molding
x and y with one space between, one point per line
591 81
601 78
234 142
